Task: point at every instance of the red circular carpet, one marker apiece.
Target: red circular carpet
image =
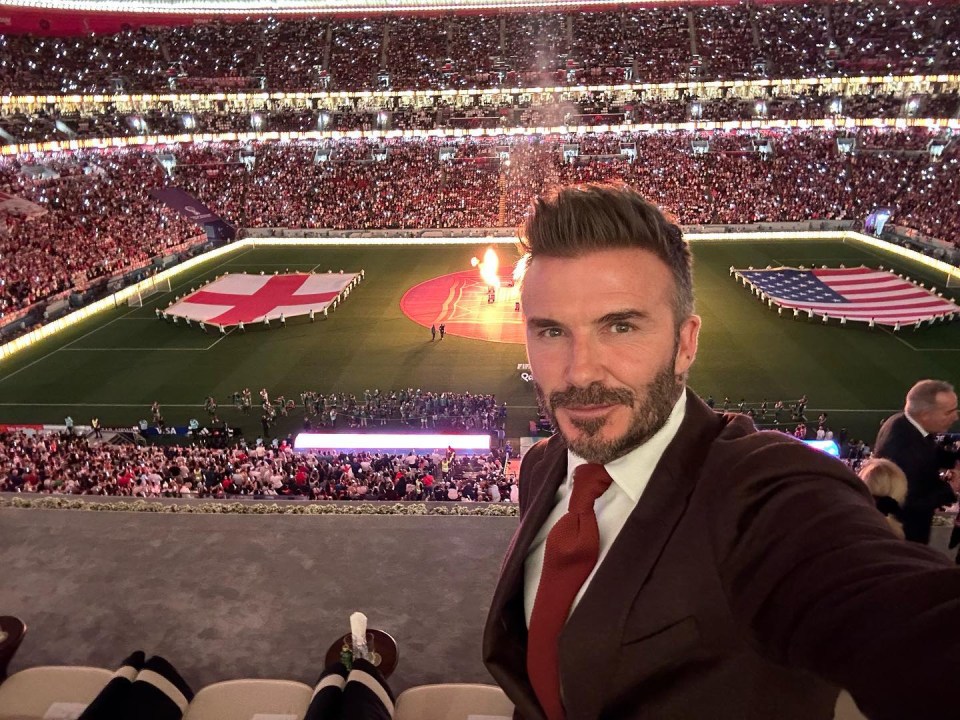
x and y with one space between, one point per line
459 301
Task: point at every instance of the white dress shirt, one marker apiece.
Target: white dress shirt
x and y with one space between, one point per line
917 425
631 474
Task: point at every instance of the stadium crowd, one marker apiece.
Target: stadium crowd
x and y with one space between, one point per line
65 463
515 49
91 200
61 464
410 407
508 111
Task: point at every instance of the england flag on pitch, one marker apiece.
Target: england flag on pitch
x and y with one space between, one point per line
856 294
234 299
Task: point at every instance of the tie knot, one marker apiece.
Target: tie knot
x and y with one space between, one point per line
590 481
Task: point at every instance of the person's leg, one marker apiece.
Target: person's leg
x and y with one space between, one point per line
366 695
327 700
159 692
112 702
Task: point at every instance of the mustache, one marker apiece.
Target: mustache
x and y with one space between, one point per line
593 394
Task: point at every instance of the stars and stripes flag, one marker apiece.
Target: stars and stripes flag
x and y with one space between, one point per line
241 298
859 294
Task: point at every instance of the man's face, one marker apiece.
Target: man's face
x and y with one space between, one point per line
606 357
939 419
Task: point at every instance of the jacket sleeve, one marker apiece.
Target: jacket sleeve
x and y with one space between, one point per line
819 582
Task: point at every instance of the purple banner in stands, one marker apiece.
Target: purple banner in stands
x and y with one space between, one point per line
191 208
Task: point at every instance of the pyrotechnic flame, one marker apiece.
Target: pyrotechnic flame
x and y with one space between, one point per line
490 268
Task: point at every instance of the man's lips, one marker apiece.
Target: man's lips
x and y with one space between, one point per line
587 410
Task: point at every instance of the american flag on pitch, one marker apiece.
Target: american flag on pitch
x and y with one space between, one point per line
856 294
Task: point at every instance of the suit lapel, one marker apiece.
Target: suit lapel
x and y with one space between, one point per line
549 473
588 648
506 634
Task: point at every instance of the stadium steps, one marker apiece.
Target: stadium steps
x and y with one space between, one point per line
692 27
502 209
117 438
755 30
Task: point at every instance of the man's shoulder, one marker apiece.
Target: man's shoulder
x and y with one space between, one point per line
539 450
740 450
896 430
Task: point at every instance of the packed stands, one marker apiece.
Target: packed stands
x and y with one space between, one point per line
507 111
61 464
93 199
652 44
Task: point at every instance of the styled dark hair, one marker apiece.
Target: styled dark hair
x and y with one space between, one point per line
569 221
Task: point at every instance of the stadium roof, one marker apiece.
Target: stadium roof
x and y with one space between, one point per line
297 7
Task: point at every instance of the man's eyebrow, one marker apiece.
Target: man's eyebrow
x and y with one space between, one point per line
542 323
622 316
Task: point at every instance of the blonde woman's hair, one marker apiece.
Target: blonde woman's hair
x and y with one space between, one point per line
884 479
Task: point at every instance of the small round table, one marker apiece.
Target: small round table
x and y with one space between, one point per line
383 644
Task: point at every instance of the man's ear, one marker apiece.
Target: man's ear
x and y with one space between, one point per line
687 340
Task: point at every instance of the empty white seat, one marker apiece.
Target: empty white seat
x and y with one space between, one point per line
242 699
30 693
452 701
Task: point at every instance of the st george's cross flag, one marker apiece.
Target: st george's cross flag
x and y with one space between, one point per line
238 298
858 294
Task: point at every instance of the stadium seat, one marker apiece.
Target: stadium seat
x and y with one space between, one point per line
12 630
247 698
42 691
454 701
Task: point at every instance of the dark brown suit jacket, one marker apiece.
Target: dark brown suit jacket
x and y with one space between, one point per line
753 579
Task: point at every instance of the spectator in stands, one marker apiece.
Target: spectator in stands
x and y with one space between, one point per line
909 440
888 486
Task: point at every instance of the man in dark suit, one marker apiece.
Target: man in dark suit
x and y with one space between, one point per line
909 440
672 562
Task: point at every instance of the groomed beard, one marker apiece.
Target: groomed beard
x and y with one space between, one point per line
648 414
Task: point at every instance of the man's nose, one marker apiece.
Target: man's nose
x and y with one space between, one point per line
585 363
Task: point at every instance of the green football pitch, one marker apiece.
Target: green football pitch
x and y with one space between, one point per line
118 362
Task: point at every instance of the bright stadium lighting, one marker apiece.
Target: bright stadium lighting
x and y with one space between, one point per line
385 442
300 7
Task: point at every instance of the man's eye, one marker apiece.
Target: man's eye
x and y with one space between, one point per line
621 327
551 332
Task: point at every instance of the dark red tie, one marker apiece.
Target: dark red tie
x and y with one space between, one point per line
571 552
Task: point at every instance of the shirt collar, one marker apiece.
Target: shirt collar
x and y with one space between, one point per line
917 425
632 472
